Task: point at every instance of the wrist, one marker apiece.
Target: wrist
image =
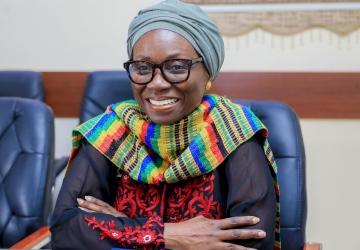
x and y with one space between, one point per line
170 236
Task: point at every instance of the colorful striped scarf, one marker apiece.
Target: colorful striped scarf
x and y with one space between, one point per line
153 153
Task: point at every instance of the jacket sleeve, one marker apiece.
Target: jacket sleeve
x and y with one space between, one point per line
251 190
72 228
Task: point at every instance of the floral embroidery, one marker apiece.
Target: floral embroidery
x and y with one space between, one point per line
144 237
193 198
172 202
137 199
182 201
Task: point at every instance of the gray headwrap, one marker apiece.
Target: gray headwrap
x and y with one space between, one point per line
188 20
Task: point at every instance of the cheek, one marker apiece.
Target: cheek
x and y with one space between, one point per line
137 91
194 94
197 83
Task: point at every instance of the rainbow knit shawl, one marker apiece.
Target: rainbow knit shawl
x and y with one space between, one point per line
153 153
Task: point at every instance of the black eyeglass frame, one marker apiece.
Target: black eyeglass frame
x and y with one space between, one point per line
189 62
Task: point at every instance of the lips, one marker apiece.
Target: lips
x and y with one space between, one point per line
163 102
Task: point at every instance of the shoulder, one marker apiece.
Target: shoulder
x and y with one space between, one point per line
236 117
87 156
92 154
248 164
250 149
248 159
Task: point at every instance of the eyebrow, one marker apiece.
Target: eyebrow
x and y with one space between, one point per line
142 58
172 56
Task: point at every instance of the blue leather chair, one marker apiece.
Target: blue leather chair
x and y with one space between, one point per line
26 84
104 88
26 153
287 144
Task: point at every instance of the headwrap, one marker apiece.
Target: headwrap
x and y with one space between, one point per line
189 21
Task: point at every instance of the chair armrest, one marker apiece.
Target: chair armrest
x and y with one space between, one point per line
41 237
36 240
312 246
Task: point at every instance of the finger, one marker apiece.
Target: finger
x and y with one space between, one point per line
90 206
224 245
97 201
107 208
240 234
120 214
233 222
86 210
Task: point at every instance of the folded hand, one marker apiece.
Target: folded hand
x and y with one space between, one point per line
202 233
92 204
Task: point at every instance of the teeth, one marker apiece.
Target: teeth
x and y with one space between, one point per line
162 102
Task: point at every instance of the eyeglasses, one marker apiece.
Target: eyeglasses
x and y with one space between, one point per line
173 70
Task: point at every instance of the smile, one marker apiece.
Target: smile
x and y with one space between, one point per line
163 102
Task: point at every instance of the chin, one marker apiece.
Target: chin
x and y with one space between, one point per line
163 121
164 118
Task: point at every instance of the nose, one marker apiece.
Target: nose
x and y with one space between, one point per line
158 82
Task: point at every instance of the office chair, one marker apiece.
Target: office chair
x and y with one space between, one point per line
26 84
102 89
284 136
26 153
287 144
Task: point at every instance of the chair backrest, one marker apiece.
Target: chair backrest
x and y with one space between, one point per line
26 153
286 141
104 88
26 84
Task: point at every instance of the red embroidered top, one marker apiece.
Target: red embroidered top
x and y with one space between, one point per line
242 185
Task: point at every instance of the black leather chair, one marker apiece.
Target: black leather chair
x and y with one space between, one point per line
26 153
26 84
287 144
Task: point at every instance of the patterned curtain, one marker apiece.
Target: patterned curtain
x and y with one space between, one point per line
263 1
341 22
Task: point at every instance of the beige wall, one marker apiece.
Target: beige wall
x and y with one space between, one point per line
86 35
332 151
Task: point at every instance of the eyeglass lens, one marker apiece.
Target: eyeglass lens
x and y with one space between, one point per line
174 71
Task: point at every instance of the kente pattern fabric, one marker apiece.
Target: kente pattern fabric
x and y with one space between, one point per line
189 21
153 153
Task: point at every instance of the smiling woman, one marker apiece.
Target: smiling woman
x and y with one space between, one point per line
178 87
175 168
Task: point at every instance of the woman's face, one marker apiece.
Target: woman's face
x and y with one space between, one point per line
163 102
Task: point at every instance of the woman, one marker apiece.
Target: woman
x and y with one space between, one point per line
177 168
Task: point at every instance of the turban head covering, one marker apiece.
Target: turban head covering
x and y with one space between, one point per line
189 21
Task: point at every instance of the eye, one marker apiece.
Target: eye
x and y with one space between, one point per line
176 67
142 68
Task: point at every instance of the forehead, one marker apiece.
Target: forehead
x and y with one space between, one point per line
159 45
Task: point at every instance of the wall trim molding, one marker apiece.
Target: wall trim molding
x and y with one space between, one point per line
320 95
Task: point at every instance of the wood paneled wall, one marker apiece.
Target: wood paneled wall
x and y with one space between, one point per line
312 95
64 91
